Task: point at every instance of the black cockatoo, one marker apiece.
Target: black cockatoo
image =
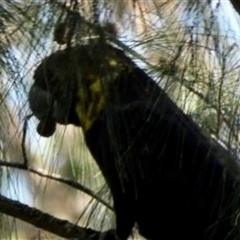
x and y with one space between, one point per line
165 175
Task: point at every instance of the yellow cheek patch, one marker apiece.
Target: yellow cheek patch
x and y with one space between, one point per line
89 109
91 99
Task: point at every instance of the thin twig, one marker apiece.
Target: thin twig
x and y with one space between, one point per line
57 178
24 139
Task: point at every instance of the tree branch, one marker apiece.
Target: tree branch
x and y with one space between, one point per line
57 178
46 221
